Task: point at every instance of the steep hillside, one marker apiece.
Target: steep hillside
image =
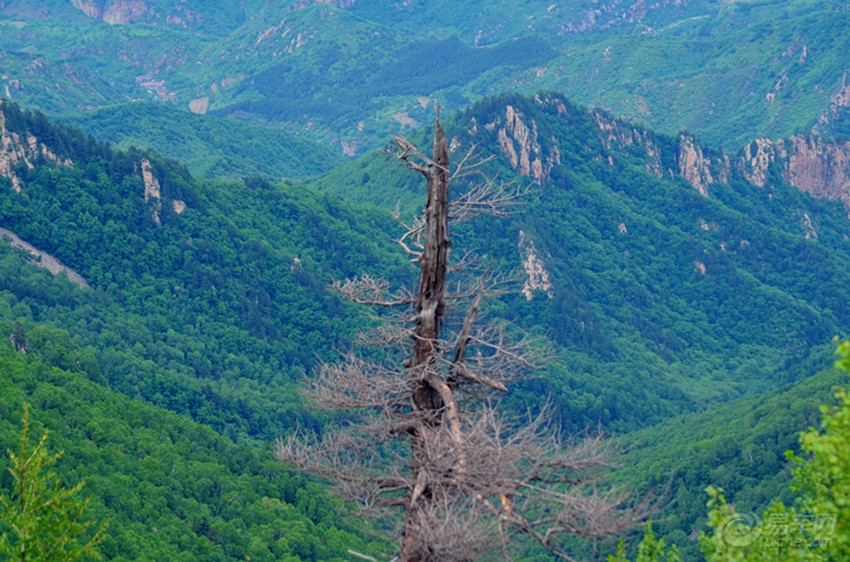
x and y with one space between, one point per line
665 280
666 275
347 73
207 299
739 446
169 488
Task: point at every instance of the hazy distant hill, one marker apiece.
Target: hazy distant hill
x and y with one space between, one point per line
210 146
349 73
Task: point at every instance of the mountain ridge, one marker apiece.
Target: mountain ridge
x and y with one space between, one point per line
725 73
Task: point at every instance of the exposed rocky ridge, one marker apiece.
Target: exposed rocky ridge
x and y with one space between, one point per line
15 149
520 144
808 162
696 168
43 259
125 12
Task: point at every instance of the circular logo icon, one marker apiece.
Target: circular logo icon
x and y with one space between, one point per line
739 529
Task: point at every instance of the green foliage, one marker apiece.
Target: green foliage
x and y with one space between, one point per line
208 146
818 528
216 313
46 519
823 476
738 446
650 549
171 489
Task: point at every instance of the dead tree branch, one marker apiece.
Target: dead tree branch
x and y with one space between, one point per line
422 434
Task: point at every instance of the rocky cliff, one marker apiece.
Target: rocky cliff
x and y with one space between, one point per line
808 162
520 142
16 149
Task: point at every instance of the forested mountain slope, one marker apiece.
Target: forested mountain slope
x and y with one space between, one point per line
206 298
348 73
211 147
667 278
739 446
169 488
660 295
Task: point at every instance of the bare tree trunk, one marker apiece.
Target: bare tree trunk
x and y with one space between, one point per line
430 306
472 478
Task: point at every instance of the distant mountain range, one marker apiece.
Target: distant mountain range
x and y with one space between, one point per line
347 73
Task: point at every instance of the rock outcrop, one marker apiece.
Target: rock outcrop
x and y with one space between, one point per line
808 162
537 278
42 259
698 170
119 12
694 166
519 142
15 149
152 189
618 135
817 167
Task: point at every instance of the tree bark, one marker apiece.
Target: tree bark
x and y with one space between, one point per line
428 395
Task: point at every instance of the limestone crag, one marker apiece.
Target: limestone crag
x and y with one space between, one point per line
537 278
28 150
696 168
817 167
124 12
120 12
152 189
519 142
808 162
89 8
617 135
755 161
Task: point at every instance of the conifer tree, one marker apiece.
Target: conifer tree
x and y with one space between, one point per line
43 519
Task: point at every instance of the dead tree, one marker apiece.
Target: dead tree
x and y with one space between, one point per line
422 435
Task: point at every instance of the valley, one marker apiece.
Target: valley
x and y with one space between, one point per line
192 178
